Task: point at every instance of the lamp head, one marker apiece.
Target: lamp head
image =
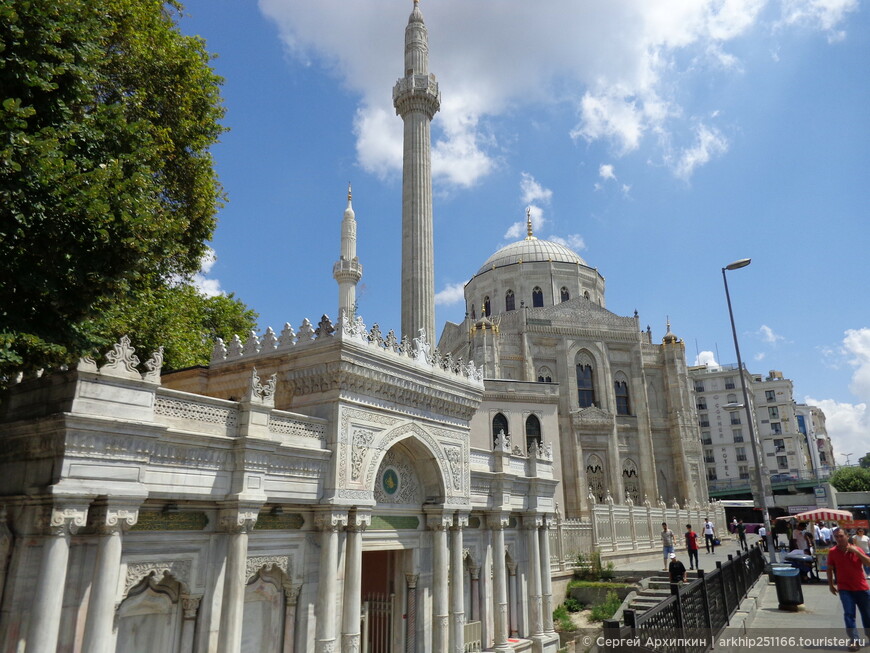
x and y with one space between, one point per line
736 265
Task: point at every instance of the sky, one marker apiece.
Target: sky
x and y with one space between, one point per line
661 140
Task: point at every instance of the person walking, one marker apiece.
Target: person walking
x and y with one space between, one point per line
863 542
827 535
709 533
847 580
802 539
692 546
676 569
741 534
668 541
762 533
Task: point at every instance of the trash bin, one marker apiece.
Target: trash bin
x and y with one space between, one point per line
788 587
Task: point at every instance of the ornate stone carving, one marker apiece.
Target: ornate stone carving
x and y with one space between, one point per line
261 393
87 364
454 457
252 344
502 442
234 349
190 606
324 328
254 564
238 520
407 490
290 426
108 519
287 337
122 361
136 571
306 332
63 520
219 351
326 520
195 411
362 439
269 341
422 348
154 365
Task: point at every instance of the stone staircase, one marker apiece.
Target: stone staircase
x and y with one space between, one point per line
653 590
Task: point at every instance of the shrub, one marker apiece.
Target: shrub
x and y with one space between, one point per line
573 605
590 567
561 619
607 609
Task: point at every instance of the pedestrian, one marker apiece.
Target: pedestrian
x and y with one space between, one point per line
676 569
802 538
741 534
734 525
668 541
762 534
692 546
709 532
863 543
845 562
827 535
817 532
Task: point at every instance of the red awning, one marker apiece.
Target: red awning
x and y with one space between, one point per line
822 514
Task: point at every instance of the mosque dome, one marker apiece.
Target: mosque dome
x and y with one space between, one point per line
531 250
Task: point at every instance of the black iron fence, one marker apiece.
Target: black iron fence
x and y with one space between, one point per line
689 620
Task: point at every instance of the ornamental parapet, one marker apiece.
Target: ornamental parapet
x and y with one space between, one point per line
417 92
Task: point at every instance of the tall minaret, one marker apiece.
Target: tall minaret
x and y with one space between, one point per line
347 269
417 99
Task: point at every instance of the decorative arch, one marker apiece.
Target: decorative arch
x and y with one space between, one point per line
545 375
564 295
537 297
266 594
397 481
533 431
510 301
586 294
585 368
631 480
150 616
422 447
595 476
499 424
621 391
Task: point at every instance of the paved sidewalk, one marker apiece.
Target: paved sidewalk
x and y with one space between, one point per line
707 561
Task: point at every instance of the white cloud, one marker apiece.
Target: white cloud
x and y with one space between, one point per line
706 358
605 171
622 64
760 356
452 293
848 424
532 191
208 287
572 241
768 335
709 143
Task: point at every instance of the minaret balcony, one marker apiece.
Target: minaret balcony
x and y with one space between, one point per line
411 90
345 270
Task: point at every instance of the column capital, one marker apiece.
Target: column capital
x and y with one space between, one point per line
109 517
460 521
61 519
358 521
411 580
474 570
238 519
498 521
532 521
330 519
512 568
439 521
190 606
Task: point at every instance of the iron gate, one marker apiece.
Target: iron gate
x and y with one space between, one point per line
377 622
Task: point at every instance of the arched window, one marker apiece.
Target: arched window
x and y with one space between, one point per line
585 386
533 431
473 316
565 294
732 398
586 294
487 310
510 303
622 404
499 425
537 297
545 375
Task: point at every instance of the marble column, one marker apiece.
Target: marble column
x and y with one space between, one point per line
474 575
350 619
236 523
546 577
329 523
497 524
56 523
109 522
531 524
457 585
439 525
411 613
190 608
291 600
513 599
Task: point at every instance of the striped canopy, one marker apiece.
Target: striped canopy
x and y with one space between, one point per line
824 514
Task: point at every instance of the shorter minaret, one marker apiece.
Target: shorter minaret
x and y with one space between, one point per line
347 270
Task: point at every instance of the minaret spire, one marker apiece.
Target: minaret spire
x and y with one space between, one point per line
417 99
347 270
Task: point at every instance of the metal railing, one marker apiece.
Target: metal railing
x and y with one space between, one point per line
377 622
689 620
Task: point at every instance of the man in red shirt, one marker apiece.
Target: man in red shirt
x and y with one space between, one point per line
846 560
692 546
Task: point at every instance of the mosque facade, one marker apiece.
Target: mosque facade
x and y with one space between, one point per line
332 487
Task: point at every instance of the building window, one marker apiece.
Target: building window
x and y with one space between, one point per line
703 420
711 474
737 434
802 424
565 295
735 418
741 453
510 303
622 405
773 411
732 398
770 395
473 316
585 386
537 297
822 457
708 456
533 432
586 294
729 383
779 445
487 309
705 438
702 403
699 386
782 462
775 428
744 471
545 375
499 425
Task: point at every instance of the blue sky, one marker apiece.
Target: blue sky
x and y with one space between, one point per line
661 140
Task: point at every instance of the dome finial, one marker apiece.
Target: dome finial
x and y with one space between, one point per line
529 233
349 192
669 338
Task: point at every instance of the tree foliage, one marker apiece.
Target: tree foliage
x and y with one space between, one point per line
107 185
851 479
864 460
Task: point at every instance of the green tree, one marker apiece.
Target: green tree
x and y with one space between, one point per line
864 461
851 479
181 319
107 185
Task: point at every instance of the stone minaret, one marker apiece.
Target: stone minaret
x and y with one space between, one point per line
347 269
417 99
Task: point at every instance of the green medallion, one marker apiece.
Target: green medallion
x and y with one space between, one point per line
390 481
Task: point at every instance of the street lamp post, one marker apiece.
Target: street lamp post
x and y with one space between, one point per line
762 481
